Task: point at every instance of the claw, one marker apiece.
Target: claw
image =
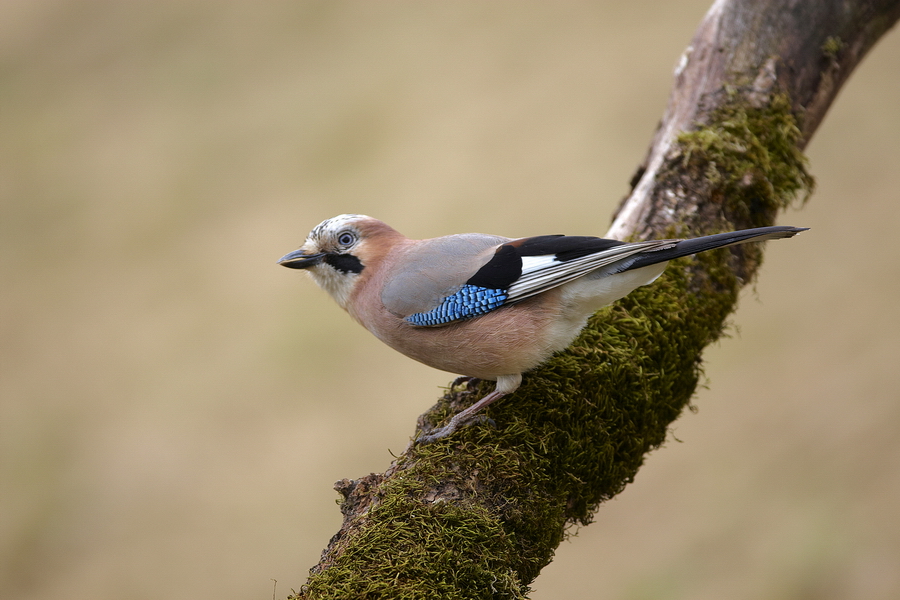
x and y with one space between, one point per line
463 380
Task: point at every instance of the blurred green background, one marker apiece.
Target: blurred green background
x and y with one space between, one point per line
175 406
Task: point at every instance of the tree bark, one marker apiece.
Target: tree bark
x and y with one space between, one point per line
480 513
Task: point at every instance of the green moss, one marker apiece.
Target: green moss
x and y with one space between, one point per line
478 514
435 512
832 46
386 559
749 159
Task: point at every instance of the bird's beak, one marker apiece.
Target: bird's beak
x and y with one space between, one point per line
298 259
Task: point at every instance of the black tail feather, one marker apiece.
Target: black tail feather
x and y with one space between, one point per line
710 242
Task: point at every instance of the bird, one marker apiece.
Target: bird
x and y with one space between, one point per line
484 306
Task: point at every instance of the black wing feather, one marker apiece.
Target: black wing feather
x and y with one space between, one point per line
505 267
565 247
501 271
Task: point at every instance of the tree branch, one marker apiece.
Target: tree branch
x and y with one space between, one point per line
480 513
743 52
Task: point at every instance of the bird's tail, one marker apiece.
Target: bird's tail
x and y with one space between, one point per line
709 242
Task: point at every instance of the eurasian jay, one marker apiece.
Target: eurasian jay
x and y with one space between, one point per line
479 305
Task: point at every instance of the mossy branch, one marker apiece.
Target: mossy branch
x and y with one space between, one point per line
479 514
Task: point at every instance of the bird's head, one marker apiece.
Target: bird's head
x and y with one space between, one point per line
338 250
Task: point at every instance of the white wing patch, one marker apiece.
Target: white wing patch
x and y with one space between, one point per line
536 263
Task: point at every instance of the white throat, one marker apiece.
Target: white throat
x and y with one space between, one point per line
339 285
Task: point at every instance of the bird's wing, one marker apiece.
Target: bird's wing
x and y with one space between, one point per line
514 270
506 273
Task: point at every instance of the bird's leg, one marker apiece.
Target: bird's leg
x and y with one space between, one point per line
505 385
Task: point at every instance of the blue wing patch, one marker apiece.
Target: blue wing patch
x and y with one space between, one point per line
470 301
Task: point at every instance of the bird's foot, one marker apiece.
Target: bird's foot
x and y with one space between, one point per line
463 381
452 426
435 435
466 416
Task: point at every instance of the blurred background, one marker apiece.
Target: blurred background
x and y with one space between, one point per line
175 407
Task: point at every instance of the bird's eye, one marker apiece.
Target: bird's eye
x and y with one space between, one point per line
346 238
